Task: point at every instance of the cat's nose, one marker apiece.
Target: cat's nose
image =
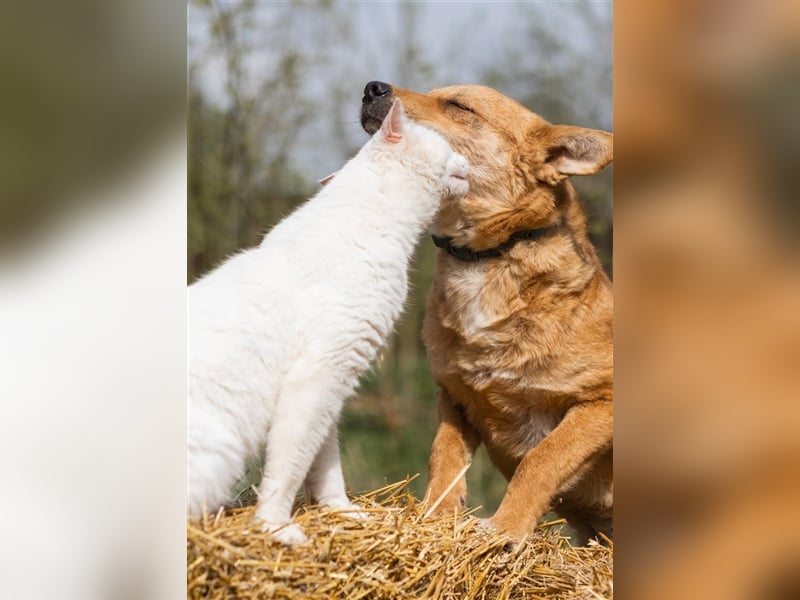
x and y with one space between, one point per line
375 89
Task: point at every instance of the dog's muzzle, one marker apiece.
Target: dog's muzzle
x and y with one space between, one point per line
375 105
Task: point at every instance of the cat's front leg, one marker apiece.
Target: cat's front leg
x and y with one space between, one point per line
304 413
325 481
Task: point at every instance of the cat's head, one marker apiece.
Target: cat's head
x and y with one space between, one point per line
424 148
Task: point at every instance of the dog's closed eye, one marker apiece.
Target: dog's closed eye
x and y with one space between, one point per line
459 106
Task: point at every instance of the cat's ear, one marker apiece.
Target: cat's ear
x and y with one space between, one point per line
394 124
328 179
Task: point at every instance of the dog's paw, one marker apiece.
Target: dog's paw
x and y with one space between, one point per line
510 541
454 503
455 175
486 525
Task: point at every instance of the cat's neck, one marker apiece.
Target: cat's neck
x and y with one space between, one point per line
381 199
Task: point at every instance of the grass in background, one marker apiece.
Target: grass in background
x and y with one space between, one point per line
385 437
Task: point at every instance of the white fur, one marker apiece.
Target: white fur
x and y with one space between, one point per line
280 333
472 284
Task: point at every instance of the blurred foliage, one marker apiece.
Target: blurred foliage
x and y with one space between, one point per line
286 90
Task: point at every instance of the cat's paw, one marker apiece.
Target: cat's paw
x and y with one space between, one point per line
286 533
341 505
455 175
352 511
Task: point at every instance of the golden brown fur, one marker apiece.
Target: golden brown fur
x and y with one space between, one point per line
520 345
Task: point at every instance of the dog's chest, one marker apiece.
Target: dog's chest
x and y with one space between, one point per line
519 427
474 316
473 300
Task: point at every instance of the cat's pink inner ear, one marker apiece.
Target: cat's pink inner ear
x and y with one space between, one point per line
392 127
328 179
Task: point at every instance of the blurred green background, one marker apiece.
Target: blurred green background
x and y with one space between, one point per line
274 91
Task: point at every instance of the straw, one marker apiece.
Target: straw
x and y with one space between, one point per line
393 553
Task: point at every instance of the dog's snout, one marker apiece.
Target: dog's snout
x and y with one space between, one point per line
376 89
375 105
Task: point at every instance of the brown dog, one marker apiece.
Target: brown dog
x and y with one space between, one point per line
518 325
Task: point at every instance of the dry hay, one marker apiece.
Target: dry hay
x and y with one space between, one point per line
395 553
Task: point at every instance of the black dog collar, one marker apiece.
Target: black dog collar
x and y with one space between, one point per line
468 254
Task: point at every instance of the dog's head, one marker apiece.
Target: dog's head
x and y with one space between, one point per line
518 160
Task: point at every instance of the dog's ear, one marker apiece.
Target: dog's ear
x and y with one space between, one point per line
394 125
573 151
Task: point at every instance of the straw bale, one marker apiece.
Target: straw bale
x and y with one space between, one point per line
394 553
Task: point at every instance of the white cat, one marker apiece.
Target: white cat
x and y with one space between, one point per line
280 334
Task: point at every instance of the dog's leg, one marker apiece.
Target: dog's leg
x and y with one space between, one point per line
587 501
452 450
586 429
